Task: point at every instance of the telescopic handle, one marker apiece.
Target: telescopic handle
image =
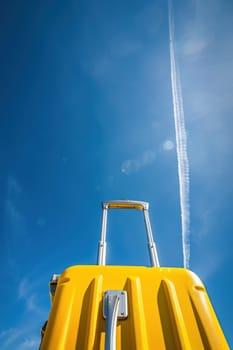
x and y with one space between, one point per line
126 204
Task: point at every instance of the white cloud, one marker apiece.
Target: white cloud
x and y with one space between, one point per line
207 87
23 288
29 343
13 214
208 264
32 303
27 292
130 166
26 335
20 338
10 336
14 191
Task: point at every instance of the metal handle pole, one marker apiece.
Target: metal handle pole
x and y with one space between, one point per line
102 242
151 244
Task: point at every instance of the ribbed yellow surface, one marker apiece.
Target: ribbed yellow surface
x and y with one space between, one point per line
168 308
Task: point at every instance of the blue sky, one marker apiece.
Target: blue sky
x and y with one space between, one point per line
86 116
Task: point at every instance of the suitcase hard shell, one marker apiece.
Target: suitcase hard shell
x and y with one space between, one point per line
168 308
154 308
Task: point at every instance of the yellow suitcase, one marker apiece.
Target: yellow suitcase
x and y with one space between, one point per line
103 307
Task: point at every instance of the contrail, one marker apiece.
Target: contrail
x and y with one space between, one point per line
181 142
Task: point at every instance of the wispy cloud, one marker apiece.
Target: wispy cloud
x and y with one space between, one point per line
23 288
130 166
208 264
204 239
18 338
207 83
14 191
29 343
206 55
181 144
27 291
26 335
14 222
14 216
9 337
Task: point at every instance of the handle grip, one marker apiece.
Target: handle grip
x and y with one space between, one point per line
125 204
